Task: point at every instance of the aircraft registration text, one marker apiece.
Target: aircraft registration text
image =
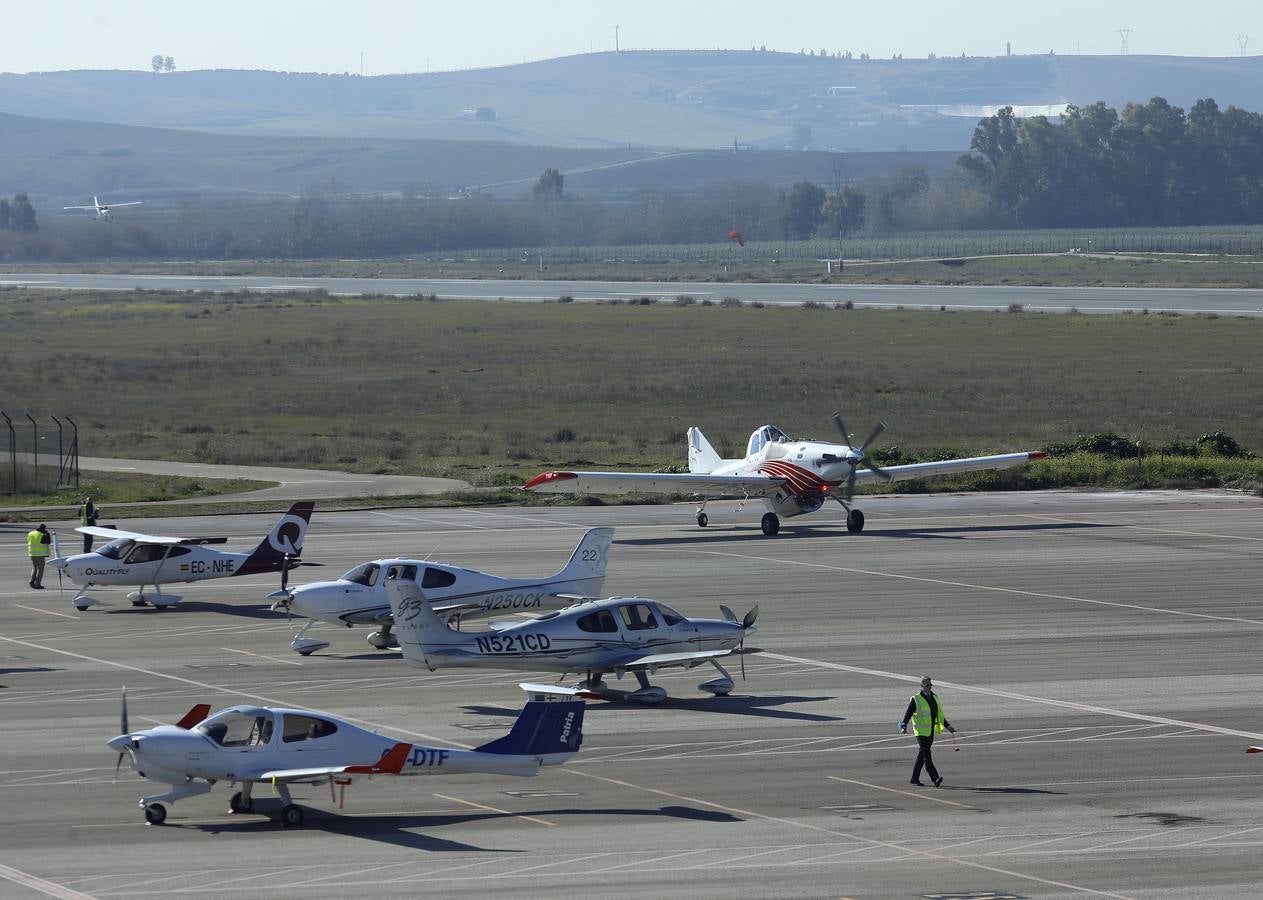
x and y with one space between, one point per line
513 643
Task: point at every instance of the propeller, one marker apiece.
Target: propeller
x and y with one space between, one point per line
123 730
746 624
857 455
285 567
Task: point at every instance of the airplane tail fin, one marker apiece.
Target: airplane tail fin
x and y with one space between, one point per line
702 456
416 624
549 726
585 573
285 539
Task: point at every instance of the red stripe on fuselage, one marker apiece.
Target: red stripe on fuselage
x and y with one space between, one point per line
798 480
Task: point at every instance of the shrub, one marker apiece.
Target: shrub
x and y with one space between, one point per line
563 436
1016 308
1216 443
684 300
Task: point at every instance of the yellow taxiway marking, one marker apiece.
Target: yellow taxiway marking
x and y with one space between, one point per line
288 662
494 809
47 612
878 787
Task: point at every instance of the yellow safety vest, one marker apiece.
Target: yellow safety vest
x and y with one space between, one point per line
921 725
35 543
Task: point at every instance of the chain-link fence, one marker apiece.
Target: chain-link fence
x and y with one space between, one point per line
41 453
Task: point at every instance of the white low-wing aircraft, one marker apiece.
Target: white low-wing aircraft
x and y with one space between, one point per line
249 745
596 637
359 596
792 476
131 558
102 210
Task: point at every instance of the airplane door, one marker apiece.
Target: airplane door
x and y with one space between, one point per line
640 624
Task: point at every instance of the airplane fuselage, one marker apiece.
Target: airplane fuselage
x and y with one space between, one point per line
197 564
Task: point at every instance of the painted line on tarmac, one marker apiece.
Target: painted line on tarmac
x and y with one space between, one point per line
47 612
288 662
975 587
1153 529
496 809
1030 698
217 687
871 842
52 889
878 787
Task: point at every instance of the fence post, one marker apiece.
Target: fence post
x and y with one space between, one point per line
13 452
61 452
74 449
35 447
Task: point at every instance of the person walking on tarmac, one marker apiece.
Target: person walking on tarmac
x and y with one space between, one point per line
38 546
87 516
926 712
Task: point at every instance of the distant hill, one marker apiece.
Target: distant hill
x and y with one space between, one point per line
692 100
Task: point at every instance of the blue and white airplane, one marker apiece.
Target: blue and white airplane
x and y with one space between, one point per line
134 559
249 745
596 637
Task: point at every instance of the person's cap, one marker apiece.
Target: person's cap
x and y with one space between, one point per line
925 681
42 526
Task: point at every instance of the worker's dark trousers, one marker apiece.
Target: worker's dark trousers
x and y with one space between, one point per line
925 759
87 543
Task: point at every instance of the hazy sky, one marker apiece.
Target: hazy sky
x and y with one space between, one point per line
409 35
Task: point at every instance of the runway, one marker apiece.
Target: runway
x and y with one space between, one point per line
1220 301
1098 652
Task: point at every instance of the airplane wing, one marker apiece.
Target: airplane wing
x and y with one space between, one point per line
391 763
672 659
948 467
79 207
128 203
654 483
116 533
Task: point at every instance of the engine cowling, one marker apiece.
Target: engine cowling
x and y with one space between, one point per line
788 506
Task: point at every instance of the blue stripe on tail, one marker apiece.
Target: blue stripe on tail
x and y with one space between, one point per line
542 727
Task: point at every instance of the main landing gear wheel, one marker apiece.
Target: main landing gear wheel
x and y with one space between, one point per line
771 524
155 814
855 521
702 520
236 804
291 816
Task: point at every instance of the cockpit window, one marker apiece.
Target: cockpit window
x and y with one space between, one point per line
763 436
638 617
365 574
437 578
306 728
407 573
670 616
117 549
238 729
599 622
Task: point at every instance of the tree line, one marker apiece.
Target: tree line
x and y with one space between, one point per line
1150 165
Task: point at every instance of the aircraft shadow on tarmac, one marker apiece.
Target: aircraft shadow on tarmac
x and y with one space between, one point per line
807 532
245 611
740 705
395 829
1002 790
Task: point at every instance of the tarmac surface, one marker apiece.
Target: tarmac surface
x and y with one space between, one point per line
1099 653
1221 301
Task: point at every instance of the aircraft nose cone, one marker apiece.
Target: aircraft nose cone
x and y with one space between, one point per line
280 595
58 562
119 744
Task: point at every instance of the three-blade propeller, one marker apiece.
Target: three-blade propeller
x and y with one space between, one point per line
858 456
123 729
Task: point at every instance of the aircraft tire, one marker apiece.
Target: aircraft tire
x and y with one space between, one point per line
855 521
237 805
771 524
292 816
155 814
702 521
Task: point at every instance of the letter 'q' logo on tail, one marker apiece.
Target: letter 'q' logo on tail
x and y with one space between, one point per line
287 535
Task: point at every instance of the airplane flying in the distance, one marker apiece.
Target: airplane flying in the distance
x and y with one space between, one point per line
103 210
792 477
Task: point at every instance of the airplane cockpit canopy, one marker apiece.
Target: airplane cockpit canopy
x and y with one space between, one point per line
116 549
365 574
239 726
761 437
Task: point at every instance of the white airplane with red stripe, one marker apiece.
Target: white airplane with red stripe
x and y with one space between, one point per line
792 477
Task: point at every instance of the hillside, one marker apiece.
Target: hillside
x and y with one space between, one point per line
695 99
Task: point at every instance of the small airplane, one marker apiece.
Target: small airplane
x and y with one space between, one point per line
131 558
102 210
359 596
249 745
793 477
619 635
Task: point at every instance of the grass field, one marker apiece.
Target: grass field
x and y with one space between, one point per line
108 488
490 392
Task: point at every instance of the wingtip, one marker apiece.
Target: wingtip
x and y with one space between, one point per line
1036 454
547 478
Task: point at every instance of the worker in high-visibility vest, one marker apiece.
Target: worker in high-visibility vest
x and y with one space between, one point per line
926 712
39 547
87 516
